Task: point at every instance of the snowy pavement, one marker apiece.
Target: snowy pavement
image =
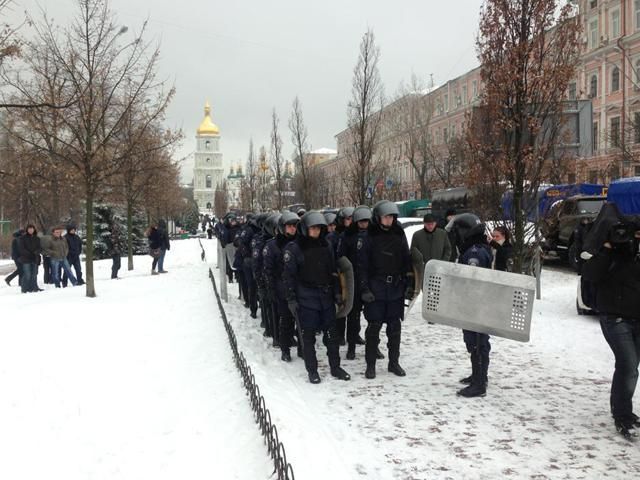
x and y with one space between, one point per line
545 415
138 383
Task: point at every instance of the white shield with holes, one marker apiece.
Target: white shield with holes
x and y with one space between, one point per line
478 299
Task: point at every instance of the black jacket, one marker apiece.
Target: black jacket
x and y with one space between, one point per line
504 253
75 245
15 247
29 247
616 276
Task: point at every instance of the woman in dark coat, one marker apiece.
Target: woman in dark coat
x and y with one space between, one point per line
504 251
29 249
155 246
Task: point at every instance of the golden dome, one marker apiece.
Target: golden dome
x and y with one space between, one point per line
207 127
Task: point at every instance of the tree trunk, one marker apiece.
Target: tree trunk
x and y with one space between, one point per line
129 236
90 286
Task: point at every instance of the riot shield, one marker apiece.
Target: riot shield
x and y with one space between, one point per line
230 251
478 299
222 263
347 280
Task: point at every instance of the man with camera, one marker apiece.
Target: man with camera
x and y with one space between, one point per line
614 270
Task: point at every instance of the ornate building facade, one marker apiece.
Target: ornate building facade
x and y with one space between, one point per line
208 172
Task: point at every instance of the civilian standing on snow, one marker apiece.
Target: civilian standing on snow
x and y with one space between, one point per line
15 256
57 249
75 250
614 270
154 246
29 248
432 242
165 245
116 247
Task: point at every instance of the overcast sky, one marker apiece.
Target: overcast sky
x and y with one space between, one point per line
248 56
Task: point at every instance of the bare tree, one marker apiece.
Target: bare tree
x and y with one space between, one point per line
102 80
277 160
299 139
363 121
250 182
529 51
221 200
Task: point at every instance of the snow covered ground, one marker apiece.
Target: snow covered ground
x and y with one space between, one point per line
545 414
138 383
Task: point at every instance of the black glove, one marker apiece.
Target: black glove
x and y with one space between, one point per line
367 296
293 306
409 293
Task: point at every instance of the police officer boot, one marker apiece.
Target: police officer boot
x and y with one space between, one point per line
275 327
286 355
309 352
394 352
314 377
351 352
333 353
372 335
478 387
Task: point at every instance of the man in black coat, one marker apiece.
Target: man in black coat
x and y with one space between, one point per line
75 250
15 256
29 249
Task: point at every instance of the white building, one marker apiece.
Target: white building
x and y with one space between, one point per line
207 172
234 187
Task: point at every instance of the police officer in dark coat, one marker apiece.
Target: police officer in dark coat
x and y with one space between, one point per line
312 291
355 233
243 264
474 250
386 278
231 231
257 244
332 235
270 228
273 266
343 221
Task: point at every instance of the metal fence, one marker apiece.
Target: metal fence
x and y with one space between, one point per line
282 467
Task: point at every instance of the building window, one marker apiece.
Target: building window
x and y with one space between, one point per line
571 178
208 181
209 205
637 10
445 135
464 94
446 102
615 24
636 77
593 33
615 172
615 132
593 3
593 176
593 86
474 86
572 91
207 145
636 127
596 135
208 160
636 171
615 79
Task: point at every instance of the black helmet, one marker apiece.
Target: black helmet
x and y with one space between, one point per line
465 226
361 212
330 218
229 217
260 219
287 218
383 208
271 224
311 219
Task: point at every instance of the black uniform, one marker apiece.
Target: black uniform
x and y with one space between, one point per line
384 263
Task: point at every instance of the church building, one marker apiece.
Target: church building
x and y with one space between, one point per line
208 172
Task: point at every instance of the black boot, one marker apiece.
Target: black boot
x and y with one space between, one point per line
340 374
379 354
314 377
370 372
286 355
309 351
478 387
394 336
351 352
466 380
360 340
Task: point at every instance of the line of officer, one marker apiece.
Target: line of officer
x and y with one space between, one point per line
245 237
386 278
343 221
312 290
273 266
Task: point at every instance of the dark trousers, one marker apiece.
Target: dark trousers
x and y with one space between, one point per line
287 326
115 265
252 288
16 273
242 285
372 340
479 346
46 265
313 320
353 321
29 277
623 336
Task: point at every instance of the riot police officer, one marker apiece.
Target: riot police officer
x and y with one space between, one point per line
244 247
386 279
470 233
257 244
332 235
273 268
312 290
270 231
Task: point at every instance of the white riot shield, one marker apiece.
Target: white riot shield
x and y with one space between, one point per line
222 264
478 299
230 251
